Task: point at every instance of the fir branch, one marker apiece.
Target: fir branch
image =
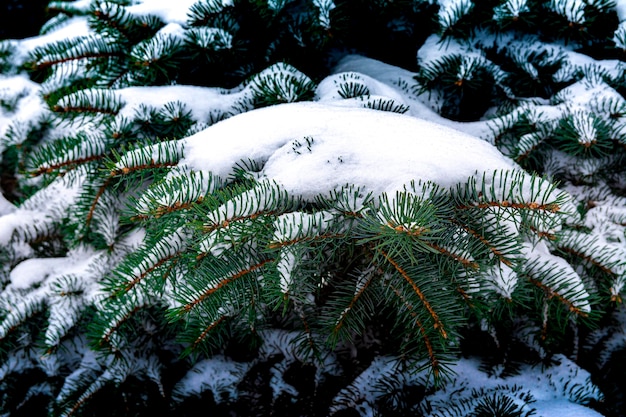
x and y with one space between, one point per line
280 83
209 40
498 249
116 374
89 102
18 314
264 198
121 312
111 19
155 59
82 48
207 330
223 282
384 104
557 279
176 192
534 201
551 293
305 239
167 248
202 12
438 324
67 8
146 159
435 363
66 153
351 85
363 284
465 261
591 250
95 200
552 207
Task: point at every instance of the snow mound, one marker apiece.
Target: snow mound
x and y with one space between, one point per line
313 148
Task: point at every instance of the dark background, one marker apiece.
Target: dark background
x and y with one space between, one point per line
21 18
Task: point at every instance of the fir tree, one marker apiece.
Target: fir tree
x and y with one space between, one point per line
171 214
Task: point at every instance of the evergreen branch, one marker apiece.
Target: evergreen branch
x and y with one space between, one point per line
297 227
86 47
408 223
27 307
160 155
550 292
120 316
91 391
38 66
165 210
66 153
493 248
522 200
384 104
434 360
92 208
551 207
588 258
202 12
209 40
55 22
303 239
176 192
156 57
92 101
351 85
168 247
583 133
528 144
457 257
117 372
264 198
308 333
280 83
224 282
67 8
114 20
361 287
543 235
208 329
65 307
592 250
139 168
438 325
71 164
349 200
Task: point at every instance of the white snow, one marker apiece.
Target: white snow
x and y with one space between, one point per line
28 107
33 271
74 28
201 101
550 388
350 146
219 374
167 10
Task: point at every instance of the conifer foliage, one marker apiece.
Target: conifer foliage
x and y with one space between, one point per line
215 195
